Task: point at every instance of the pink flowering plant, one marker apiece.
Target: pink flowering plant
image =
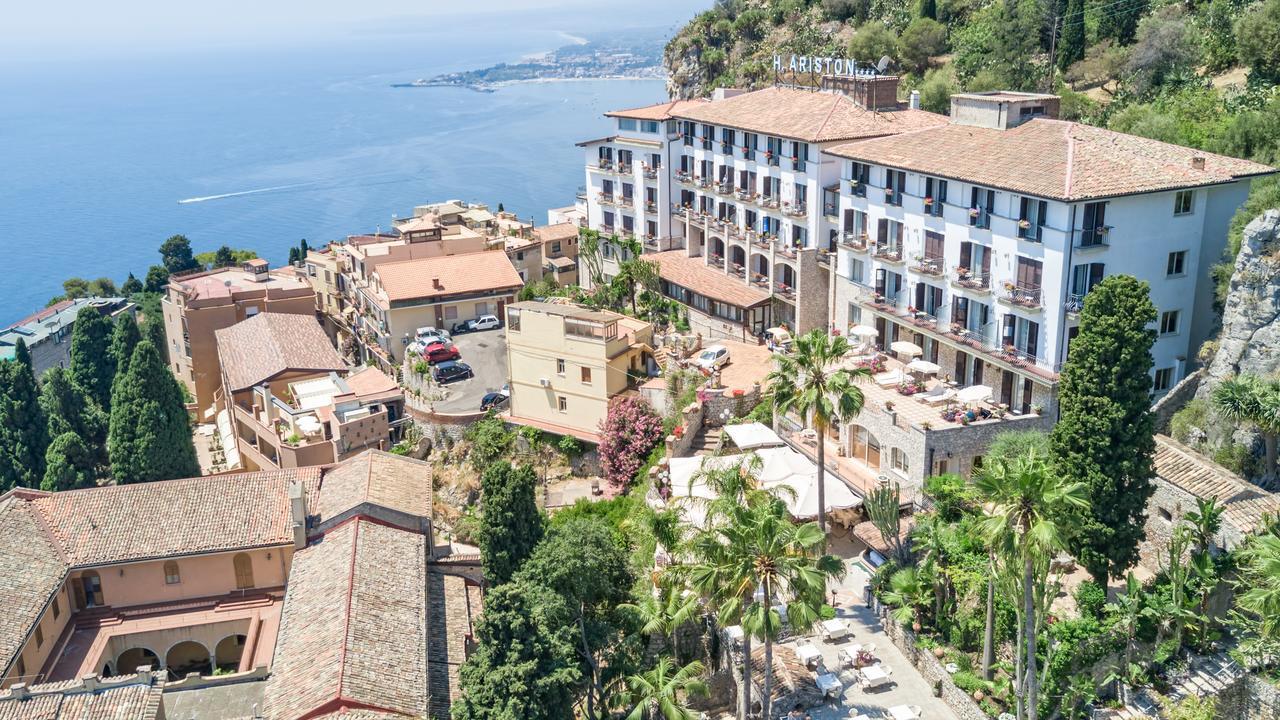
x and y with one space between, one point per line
628 434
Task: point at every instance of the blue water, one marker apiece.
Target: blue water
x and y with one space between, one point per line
272 146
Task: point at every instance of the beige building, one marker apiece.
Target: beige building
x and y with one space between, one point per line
559 243
288 399
567 362
196 306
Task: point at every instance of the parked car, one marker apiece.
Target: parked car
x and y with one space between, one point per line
714 356
777 340
484 322
425 337
440 352
451 370
496 399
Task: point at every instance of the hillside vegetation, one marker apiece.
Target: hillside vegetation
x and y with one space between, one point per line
1201 73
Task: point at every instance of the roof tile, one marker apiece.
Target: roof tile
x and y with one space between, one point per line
448 275
267 344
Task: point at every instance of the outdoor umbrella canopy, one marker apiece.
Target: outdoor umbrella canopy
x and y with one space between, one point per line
906 348
974 394
863 331
923 366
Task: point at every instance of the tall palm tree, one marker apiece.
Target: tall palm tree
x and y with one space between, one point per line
660 614
755 557
1260 580
810 383
910 592
1252 400
662 692
1024 498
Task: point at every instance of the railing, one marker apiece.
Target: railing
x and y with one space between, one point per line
703 182
1093 238
785 290
854 241
892 196
606 229
973 281
605 164
830 209
933 207
857 188
650 173
651 242
769 201
717 260
1075 302
682 211
787 252
923 318
651 206
928 265
725 188
744 195
885 251
771 158
684 177
1023 295
979 218
606 198
1028 231
624 169
824 257
797 210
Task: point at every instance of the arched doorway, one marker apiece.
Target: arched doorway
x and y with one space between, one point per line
244 571
864 447
188 657
785 274
759 265
228 652
717 247
130 660
737 256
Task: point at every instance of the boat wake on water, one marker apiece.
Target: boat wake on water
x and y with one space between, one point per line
242 192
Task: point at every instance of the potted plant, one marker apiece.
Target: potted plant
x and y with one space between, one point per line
962 273
974 212
1037 409
928 201
1009 287
1024 224
853 185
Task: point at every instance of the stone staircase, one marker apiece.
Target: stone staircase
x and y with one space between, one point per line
706 441
1208 676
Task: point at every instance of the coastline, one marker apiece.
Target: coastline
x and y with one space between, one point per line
490 87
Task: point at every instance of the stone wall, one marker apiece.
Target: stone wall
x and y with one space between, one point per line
930 668
1249 698
1176 399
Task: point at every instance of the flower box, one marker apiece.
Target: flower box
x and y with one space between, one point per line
1024 224
928 201
974 212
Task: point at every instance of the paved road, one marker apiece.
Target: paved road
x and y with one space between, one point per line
486 353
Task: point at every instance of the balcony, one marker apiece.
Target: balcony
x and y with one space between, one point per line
651 206
795 209
928 265
887 252
1075 303
745 195
606 229
978 282
786 291
979 218
624 169
1095 238
1026 296
702 182
606 198
830 210
682 211
855 241
787 252
893 196
857 188
770 158
922 318
724 188
684 178
604 164
1028 231
651 243
716 260
933 208
769 201
650 173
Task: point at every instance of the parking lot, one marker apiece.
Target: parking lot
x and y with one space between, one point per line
486 353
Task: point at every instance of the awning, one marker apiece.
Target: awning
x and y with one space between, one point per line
863 331
749 436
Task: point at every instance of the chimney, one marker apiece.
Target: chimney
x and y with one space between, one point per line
298 514
435 283
19 691
1197 162
915 99
89 682
144 675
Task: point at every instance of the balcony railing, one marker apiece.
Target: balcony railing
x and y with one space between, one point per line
724 188
784 290
651 206
1093 238
702 182
1022 295
744 195
854 241
624 169
933 207
972 280
650 173
1029 231
606 198
684 177
830 209
605 164
885 251
892 196
979 218
928 265
922 317
769 201
857 188
1075 302
797 210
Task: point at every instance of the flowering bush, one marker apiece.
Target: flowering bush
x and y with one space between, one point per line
909 388
627 435
874 365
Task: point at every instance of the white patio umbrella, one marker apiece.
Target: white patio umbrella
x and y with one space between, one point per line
784 467
863 331
923 366
906 348
974 394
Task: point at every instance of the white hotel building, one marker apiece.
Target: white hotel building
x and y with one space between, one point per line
975 236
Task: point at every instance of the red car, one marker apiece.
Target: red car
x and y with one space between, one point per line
439 352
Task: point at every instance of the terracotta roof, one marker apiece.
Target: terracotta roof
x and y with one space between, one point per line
1051 158
870 536
807 115
130 697
101 525
353 630
562 262
31 571
1244 503
659 111
374 477
267 344
371 381
690 272
559 231
420 223
453 608
456 275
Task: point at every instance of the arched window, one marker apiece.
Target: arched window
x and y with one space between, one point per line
171 574
244 571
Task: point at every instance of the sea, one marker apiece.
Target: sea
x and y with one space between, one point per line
259 148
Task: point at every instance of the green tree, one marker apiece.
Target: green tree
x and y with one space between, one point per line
510 524
69 464
1251 400
223 257
810 383
523 667
923 39
1072 42
999 45
1024 500
883 505
1257 38
1120 21
149 437
929 9
91 365
157 279
662 691
124 338
910 592
872 41
103 287
131 286
75 287
24 432
175 254
69 410
1105 436
490 442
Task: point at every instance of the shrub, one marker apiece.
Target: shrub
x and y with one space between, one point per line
629 432
570 446
871 41
1090 599
969 682
1188 425
490 441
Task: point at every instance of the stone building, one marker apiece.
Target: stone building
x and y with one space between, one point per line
47 333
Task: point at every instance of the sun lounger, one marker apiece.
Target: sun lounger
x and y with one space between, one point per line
890 378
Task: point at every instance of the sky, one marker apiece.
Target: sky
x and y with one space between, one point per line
73 30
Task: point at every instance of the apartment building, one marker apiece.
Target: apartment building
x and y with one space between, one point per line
47 333
288 399
195 306
978 240
567 362
752 193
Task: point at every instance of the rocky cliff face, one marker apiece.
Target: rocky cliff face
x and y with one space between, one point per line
1250 337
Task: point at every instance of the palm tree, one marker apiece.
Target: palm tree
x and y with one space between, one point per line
1205 522
1252 400
758 555
909 591
1024 498
931 537
662 691
1260 580
1127 610
661 613
809 383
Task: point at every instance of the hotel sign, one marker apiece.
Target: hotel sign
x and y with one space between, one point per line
818 65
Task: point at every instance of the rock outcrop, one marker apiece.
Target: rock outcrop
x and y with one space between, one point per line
1250 338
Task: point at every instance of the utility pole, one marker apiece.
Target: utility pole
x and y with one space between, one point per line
1053 56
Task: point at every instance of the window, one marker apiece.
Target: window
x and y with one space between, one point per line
626 124
1169 322
311 269
563 404
560 367
649 126
935 195
250 311
1164 379
1182 202
555 246
171 574
39 636
244 571
1031 216
520 256
513 319
451 312
898 460
1177 263
586 376
57 607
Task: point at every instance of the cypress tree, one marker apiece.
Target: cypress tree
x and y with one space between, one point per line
131 286
510 524
124 338
91 366
1071 46
153 329
929 9
68 410
150 435
24 434
70 464
1105 433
